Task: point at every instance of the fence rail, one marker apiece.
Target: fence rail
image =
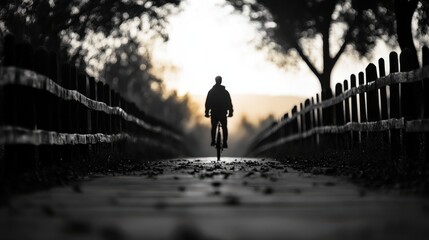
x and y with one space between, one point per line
28 78
388 114
52 116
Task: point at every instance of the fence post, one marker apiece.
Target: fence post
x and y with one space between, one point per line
101 120
67 116
82 87
10 92
120 119
425 61
115 103
44 108
354 111
383 101
302 126
56 120
93 96
9 50
347 116
108 101
319 120
26 111
92 121
307 116
125 123
8 161
114 118
373 110
307 123
313 124
100 115
295 127
411 94
383 91
41 66
372 95
74 123
395 109
326 139
339 116
65 83
84 117
362 109
285 129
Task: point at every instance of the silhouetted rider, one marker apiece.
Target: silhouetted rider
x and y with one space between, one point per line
218 105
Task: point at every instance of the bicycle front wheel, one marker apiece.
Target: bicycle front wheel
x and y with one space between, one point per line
218 146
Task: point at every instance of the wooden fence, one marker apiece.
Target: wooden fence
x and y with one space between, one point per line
52 115
370 115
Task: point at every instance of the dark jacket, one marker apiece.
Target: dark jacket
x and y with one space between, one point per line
218 100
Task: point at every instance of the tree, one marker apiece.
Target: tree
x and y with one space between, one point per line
44 22
290 25
129 73
404 11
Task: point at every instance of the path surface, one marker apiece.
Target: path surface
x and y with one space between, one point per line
205 199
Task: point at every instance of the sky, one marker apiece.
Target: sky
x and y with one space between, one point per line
206 40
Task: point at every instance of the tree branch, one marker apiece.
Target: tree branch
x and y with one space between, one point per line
306 60
343 46
347 37
340 52
412 6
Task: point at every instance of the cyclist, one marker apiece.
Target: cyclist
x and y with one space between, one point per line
218 105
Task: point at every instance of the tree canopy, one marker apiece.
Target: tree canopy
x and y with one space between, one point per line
120 57
44 22
302 25
129 72
404 11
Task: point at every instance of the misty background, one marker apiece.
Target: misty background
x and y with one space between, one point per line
164 55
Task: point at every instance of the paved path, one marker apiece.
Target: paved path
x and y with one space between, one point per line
205 199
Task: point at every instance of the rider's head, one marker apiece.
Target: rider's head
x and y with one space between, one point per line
218 80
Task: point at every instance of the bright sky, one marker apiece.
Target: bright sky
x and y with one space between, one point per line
206 40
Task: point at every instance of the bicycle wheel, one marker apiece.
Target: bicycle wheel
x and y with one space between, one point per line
218 146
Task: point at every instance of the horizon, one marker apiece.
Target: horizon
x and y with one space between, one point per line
225 45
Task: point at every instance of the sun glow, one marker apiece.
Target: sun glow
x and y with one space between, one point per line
206 40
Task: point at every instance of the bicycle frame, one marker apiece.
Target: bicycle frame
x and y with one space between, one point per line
219 146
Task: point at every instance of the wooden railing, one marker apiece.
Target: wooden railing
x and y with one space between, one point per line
377 115
52 115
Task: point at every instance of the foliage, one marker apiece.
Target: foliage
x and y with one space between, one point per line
298 25
104 38
422 14
129 72
44 22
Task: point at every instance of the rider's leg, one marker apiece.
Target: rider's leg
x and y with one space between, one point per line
224 123
213 130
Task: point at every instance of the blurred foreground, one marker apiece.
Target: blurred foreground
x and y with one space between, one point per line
205 199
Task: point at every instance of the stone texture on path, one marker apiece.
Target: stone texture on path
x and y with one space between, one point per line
205 199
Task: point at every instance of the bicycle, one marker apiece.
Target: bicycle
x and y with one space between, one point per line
218 145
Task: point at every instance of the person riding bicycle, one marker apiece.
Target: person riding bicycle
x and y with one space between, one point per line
218 105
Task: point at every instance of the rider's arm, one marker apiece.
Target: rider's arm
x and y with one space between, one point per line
208 104
230 108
